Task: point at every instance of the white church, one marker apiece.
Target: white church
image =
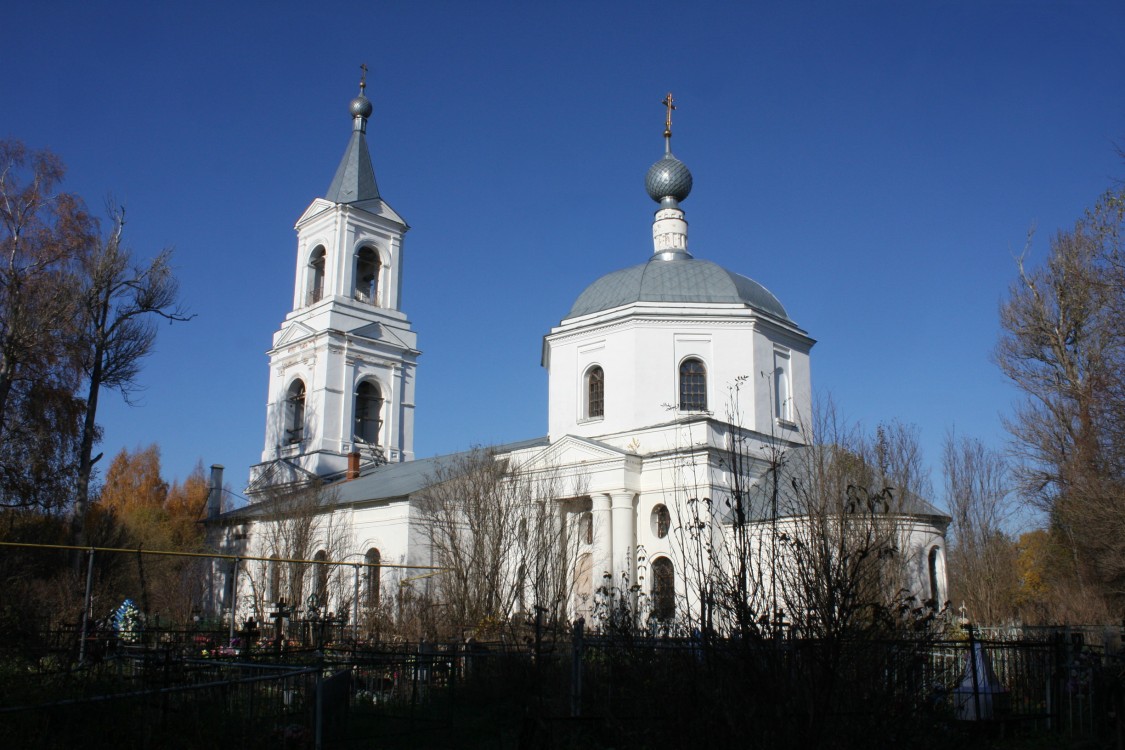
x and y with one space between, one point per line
641 415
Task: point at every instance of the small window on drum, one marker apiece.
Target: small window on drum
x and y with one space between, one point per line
595 393
693 385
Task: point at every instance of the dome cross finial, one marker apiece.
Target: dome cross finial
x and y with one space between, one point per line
669 106
363 78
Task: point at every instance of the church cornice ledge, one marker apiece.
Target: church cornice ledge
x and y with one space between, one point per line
751 321
345 305
334 341
714 438
661 311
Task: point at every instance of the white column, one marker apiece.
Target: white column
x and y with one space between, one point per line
624 539
603 541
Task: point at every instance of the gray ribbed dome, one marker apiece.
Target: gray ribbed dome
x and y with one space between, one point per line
668 177
677 280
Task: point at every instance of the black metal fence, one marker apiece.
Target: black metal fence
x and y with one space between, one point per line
159 690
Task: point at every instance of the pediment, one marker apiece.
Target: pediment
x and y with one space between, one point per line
380 208
570 450
280 474
317 207
293 332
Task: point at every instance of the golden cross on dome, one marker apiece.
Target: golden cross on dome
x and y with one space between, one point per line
668 117
363 78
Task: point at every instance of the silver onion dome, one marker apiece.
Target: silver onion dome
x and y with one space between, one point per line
668 178
360 106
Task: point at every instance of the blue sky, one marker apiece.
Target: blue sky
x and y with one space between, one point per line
876 165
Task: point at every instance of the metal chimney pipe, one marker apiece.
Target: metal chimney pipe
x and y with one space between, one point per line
215 494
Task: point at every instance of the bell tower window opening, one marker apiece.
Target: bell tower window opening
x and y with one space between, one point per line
295 413
316 276
367 268
368 412
595 393
693 385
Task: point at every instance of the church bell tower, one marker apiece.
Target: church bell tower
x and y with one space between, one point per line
342 365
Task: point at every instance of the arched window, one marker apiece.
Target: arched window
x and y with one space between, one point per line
521 583
693 385
783 402
367 276
595 393
368 412
373 558
661 521
274 592
935 581
663 589
316 276
295 412
321 578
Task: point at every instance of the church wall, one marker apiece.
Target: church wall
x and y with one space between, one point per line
346 535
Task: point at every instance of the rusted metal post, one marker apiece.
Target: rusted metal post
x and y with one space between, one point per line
355 609
86 605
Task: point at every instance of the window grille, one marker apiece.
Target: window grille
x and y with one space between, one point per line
693 386
595 393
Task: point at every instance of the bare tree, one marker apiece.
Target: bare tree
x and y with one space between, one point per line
816 547
297 523
815 537
847 546
470 522
119 301
496 531
982 558
1063 345
42 232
